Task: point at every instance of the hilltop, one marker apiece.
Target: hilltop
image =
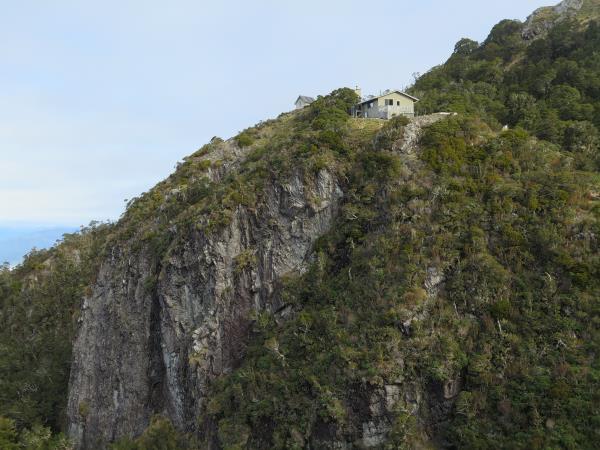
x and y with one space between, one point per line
543 19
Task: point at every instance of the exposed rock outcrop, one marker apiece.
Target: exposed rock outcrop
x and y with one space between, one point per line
147 347
544 18
413 130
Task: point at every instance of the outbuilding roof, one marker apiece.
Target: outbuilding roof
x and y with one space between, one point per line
305 99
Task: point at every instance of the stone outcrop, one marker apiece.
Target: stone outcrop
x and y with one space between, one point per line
543 19
413 130
149 347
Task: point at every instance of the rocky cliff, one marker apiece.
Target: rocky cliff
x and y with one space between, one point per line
543 19
144 349
154 334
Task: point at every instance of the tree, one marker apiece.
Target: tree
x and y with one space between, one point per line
465 47
160 435
522 110
565 99
8 434
582 137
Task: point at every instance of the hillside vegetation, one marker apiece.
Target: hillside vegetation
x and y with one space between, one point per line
454 303
40 302
550 86
512 225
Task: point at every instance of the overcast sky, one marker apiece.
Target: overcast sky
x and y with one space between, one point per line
100 99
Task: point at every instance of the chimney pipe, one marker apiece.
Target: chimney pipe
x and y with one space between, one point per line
358 92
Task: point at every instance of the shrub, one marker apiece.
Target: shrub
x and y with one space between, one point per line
245 139
160 435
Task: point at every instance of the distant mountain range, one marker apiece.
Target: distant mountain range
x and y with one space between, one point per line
15 242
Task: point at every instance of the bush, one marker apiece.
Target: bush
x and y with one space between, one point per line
37 438
331 113
245 139
160 435
391 134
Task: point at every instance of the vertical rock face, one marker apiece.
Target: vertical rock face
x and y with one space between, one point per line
147 347
545 18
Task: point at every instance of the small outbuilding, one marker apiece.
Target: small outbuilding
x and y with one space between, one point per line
303 101
385 106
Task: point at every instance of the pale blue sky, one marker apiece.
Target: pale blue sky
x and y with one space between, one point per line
100 99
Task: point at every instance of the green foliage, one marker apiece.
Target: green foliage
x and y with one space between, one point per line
391 134
300 374
504 41
465 47
501 224
246 138
39 307
8 434
160 435
37 438
515 276
245 260
544 87
331 113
